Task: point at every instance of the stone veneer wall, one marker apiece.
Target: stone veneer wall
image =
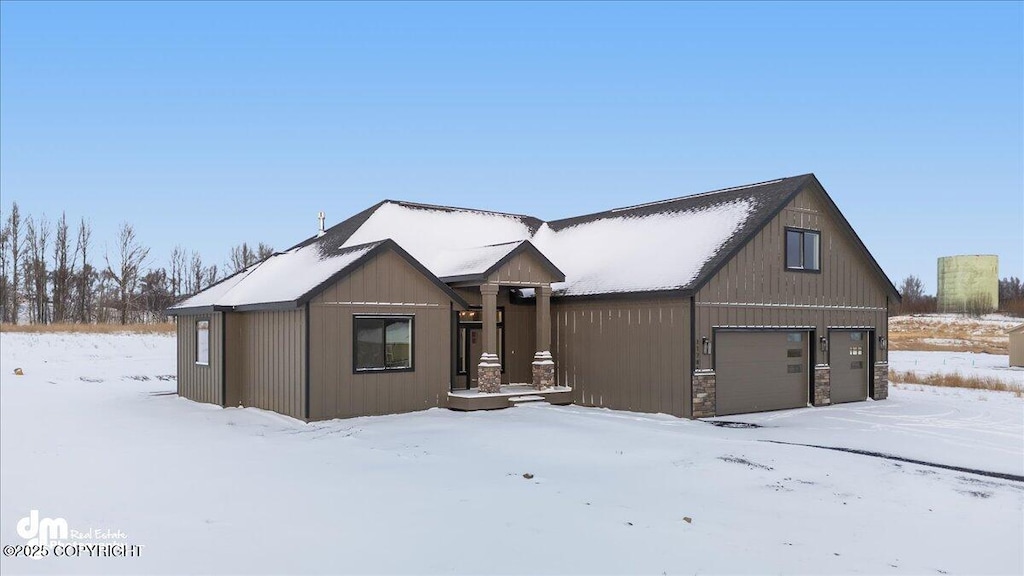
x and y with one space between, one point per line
881 381
822 385
703 393
543 370
489 373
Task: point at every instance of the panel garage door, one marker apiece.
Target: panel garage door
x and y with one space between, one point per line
849 366
758 371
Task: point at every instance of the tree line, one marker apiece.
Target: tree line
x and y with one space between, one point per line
54 273
916 301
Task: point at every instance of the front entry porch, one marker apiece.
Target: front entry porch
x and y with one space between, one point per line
502 342
507 396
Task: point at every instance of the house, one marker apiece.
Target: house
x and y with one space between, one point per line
1017 346
753 298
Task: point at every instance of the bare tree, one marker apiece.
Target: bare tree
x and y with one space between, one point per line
63 272
177 272
36 275
241 258
196 274
264 251
14 244
5 234
131 257
85 278
210 277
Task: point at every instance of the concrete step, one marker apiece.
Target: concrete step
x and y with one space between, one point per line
524 399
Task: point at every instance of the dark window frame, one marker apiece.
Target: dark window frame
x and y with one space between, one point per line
462 345
785 250
384 370
196 330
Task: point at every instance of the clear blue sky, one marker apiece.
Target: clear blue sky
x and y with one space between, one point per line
211 124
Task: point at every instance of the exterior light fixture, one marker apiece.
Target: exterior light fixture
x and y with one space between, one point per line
883 343
823 344
705 345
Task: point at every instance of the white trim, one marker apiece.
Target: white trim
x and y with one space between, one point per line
800 306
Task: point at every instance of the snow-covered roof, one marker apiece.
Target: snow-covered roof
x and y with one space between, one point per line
284 277
471 261
639 253
664 245
433 234
655 246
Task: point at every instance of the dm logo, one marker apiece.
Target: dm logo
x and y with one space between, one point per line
42 531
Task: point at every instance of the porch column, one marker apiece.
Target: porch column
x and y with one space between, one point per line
543 364
489 369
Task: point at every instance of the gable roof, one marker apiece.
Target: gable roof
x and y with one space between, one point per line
674 245
477 264
289 279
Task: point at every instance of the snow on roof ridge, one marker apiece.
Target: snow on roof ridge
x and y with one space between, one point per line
698 195
459 209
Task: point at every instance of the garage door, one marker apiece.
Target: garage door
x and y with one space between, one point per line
848 360
757 371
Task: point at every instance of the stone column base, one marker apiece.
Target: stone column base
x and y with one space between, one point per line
822 385
489 374
703 393
543 371
881 381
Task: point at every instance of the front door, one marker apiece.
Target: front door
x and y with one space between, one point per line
848 355
476 348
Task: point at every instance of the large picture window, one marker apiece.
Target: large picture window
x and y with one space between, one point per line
803 250
203 342
382 343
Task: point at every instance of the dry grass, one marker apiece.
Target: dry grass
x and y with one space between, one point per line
954 380
932 334
161 328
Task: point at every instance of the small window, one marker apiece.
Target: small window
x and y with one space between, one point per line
856 336
803 250
856 350
382 343
794 369
794 337
794 353
203 342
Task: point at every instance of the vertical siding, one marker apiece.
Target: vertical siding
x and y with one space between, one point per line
233 354
196 382
624 354
386 284
524 269
1017 347
755 289
270 369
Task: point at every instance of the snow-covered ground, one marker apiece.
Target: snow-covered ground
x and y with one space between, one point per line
966 363
88 436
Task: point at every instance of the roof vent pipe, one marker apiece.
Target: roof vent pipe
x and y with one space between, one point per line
321 231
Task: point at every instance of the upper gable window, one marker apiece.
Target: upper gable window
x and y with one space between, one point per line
803 250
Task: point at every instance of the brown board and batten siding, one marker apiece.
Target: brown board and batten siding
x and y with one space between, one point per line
266 360
624 354
523 269
202 383
754 289
386 285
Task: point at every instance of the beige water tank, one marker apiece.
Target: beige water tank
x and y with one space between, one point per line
968 283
